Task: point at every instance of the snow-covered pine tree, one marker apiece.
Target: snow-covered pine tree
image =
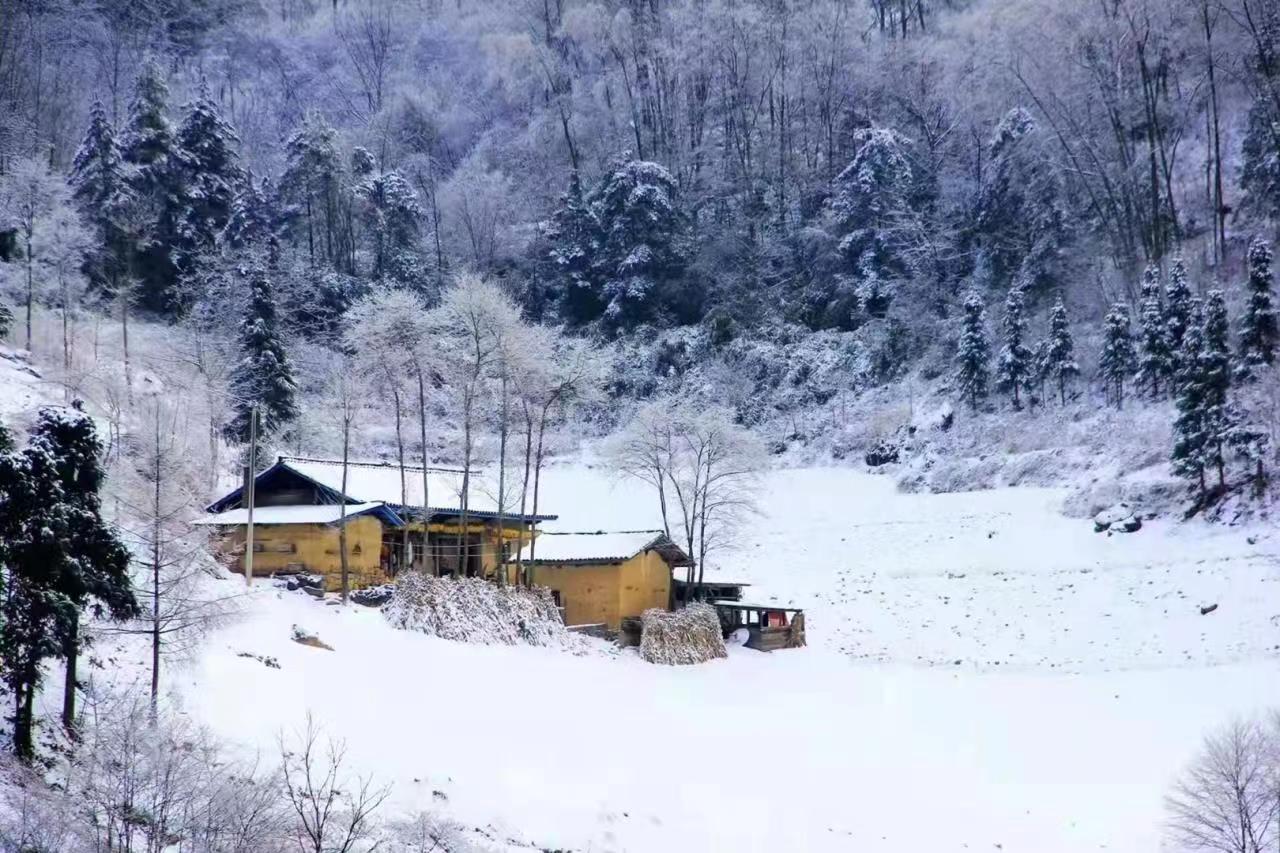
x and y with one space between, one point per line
642 253
1062 363
1117 360
253 216
1154 366
6 319
264 375
210 173
1220 418
61 555
148 146
1189 436
310 188
1259 335
1177 312
1014 366
871 209
572 235
100 187
973 352
391 214
147 141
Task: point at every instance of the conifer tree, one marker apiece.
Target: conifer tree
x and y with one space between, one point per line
1190 438
1040 368
60 555
147 141
391 213
1154 365
1014 367
973 352
253 215
1219 419
264 375
1062 365
6 319
149 147
1259 335
572 235
101 189
210 173
1117 361
1177 313
310 187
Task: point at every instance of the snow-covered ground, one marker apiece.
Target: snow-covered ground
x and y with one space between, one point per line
983 674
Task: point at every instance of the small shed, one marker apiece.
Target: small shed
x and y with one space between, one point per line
602 577
769 627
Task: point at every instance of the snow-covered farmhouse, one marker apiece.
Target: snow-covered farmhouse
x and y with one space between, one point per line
601 578
391 525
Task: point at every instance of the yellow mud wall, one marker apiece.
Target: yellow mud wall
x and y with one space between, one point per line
589 594
645 583
291 548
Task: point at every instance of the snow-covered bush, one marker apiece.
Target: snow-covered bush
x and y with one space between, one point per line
691 635
471 610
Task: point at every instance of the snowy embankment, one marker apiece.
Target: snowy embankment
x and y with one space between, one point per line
1086 678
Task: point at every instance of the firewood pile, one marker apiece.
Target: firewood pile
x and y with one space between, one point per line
687 636
471 610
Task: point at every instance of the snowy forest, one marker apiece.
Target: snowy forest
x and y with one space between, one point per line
964 244
785 207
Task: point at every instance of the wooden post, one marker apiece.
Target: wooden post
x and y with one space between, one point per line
250 476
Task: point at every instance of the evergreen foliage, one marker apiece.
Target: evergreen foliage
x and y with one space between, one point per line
1020 216
210 173
1177 313
1259 335
149 147
1118 358
1061 354
310 190
973 352
572 236
59 554
641 254
1015 366
1155 366
253 219
392 215
264 375
871 205
1190 438
101 189
6 319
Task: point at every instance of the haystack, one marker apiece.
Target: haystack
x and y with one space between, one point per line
691 635
471 610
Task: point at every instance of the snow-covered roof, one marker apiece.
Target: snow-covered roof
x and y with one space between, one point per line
379 482
598 546
317 514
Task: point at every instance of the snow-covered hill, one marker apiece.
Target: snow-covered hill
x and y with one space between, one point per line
983 672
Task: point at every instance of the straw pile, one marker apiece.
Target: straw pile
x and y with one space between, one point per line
691 635
471 610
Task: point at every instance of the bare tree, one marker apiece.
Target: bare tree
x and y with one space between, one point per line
1228 800
703 467
468 328
159 493
332 812
346 394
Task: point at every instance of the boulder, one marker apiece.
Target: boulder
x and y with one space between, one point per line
374 596
1119 518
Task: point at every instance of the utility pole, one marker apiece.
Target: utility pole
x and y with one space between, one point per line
250 474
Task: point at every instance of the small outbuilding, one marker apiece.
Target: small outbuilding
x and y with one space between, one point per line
600 578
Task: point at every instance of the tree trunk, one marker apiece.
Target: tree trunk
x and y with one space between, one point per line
404 483
426 494
71 652
343 559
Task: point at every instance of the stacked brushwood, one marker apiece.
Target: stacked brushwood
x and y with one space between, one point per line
691 635
471 610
